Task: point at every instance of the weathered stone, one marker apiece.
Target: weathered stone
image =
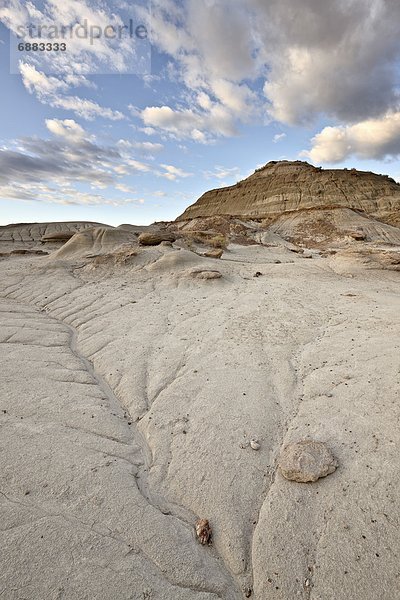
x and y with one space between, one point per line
216 253
306 461
205 274
307 254
359 236
154 238
203 531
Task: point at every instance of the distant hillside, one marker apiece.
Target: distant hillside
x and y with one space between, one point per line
287 187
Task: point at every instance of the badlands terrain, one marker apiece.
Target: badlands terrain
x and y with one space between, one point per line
152 377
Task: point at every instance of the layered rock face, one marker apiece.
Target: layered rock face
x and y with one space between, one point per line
45 232
284 187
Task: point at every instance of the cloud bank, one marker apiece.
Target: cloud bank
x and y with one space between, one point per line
284 60
49 170
241 62
370 139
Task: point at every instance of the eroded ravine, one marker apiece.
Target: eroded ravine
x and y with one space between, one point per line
140 459
276 358
79 311
60 305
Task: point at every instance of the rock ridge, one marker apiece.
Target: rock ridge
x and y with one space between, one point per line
288 186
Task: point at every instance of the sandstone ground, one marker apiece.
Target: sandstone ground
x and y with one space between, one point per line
130 393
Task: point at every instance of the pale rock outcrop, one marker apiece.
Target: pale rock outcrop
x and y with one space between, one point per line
47 232
94 242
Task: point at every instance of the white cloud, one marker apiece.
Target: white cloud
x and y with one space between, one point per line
166 118
199 136
188 123
369 139
237 98
121 169
62 195
39 83
87 109
68 128
149 130
169 172
204 101
76 197
137 165
89 49
74 80
239 62
336 58
222 173
278 137
48 170
148 147
173 173
83 55
121 187
48 89
145 148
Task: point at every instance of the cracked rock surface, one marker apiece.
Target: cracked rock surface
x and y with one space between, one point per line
129 397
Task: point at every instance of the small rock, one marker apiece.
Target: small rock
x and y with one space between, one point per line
359 236
307 461
154 238
205 274
257 274
203 532
216 253
22 251
255 444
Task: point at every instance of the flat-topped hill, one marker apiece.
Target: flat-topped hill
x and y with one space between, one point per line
282 187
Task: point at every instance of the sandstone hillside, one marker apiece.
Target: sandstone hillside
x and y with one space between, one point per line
287 187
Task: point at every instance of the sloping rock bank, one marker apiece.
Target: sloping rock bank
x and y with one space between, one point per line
283 187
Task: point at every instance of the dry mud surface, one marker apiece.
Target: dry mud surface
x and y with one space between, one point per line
130 394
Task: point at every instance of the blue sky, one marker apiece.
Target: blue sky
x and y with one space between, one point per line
231 85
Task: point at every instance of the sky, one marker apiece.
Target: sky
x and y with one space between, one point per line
150 104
